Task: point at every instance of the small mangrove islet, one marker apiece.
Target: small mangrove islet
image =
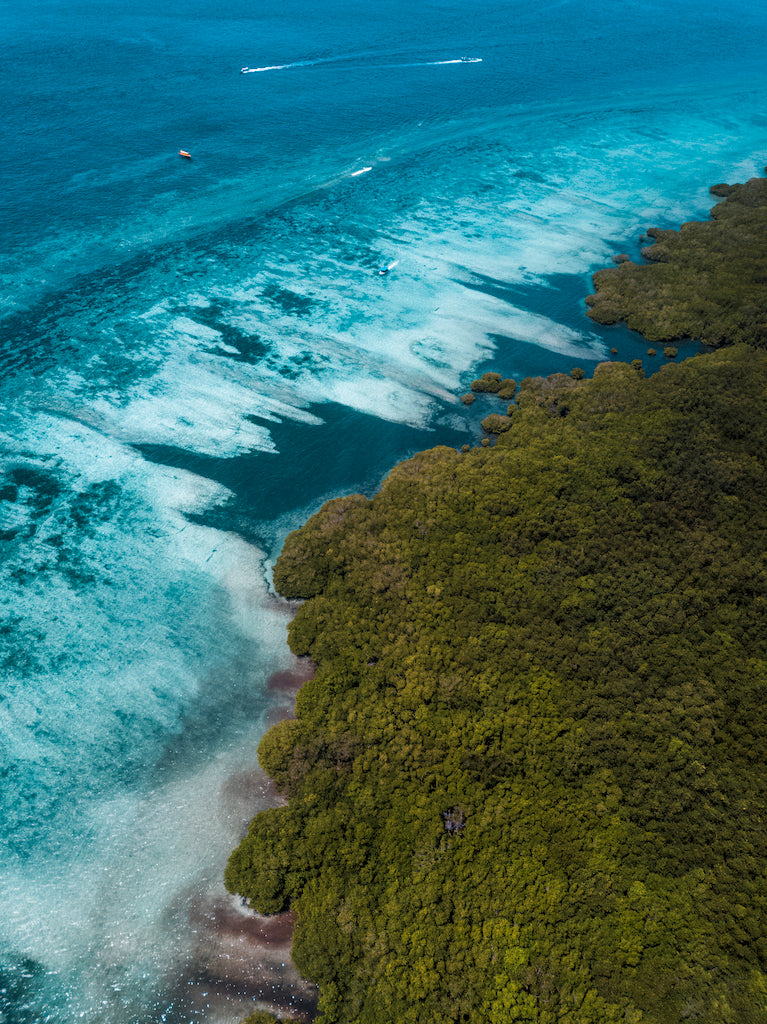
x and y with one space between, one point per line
527 780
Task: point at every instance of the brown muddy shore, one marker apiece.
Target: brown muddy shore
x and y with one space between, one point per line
241 955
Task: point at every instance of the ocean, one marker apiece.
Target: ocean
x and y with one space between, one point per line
196 353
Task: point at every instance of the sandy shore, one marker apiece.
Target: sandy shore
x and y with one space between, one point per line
240 956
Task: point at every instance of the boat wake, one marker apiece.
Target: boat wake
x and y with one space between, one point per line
295 64
272 67
340 60
457 60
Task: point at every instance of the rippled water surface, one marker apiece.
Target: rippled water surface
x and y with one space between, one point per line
196 353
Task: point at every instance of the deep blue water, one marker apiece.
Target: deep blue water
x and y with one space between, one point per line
195 354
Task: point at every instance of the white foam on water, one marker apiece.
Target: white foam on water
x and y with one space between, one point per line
196 398
121 605
574 197
200 399
189 416
396 346
92 457
172 628
119 912
383 398
540 330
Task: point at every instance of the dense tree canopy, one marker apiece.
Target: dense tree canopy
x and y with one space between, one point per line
707 281
527 781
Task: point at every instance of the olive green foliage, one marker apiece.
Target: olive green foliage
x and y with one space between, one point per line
488 382
706 281
262 1017
496 423
670 352
527 782
492 383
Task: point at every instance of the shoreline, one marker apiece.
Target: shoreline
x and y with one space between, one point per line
242 954
383 587
245 955
291 680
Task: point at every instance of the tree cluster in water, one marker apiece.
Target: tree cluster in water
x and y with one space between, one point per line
527 781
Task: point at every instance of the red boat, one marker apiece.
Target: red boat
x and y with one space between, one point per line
186 156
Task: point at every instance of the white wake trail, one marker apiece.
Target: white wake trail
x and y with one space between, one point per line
339 60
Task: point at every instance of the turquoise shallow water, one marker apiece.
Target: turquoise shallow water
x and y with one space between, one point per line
195 354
